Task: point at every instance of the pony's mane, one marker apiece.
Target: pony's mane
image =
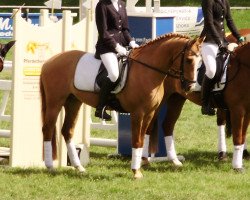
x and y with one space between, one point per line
165 37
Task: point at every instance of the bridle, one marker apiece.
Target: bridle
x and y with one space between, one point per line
179 74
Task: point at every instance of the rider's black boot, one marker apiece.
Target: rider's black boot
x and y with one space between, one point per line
206 108
105 90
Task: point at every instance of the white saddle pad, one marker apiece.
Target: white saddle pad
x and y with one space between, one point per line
86 71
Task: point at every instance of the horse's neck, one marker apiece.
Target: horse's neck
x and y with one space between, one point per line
160 53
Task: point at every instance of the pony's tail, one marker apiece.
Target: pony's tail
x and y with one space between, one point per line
43 111
228 124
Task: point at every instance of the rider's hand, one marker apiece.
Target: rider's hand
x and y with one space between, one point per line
223 47
121 50
133 44
241 39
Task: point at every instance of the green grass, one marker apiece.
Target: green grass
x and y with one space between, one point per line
202 176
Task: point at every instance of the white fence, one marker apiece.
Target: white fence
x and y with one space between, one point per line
5 87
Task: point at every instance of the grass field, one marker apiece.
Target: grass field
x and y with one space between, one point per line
202 176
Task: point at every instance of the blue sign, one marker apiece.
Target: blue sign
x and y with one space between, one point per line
6 23
141 28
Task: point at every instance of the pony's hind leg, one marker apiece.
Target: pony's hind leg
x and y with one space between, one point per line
49 135
222 147
72 106
174 106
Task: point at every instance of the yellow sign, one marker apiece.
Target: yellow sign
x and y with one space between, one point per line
32 70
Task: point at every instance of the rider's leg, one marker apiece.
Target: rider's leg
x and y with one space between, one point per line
209 52
111 63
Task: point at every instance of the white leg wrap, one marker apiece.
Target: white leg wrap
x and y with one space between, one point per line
222 139
171 154
245 145
74 159
145 146
237 157
136 158
48 154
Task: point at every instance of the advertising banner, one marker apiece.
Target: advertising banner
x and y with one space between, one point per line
6 23
188 20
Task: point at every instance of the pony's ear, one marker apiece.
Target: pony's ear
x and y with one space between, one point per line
7 47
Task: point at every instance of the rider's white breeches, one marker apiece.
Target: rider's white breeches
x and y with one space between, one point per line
110 61
209 52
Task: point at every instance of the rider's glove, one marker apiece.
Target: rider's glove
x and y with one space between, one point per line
241 39
223 47
121 50
133 44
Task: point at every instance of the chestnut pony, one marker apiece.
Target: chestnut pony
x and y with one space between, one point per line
175 98
236 96
141 95
4 48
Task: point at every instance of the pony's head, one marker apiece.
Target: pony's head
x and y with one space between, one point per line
4 48
189 64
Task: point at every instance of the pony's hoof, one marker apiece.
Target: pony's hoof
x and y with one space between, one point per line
246 154
51 169
176 162
222 156
137 174
145 162
80 169
239 170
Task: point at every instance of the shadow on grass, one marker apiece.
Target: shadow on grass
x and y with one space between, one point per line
194 160
119 166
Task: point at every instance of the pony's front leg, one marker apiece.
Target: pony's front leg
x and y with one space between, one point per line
237 119
237 162
136 162
137 126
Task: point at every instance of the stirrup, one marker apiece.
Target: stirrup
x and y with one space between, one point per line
101 113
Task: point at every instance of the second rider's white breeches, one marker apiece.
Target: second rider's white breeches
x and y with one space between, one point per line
209 52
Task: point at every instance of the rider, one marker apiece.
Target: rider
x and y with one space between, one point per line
113 35
214 11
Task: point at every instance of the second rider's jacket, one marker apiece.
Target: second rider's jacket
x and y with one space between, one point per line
215 12
112 26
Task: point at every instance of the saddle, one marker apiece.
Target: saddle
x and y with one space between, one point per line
219 79
113 102
102 73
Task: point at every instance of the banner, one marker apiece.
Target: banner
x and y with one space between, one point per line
189 20
6 23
